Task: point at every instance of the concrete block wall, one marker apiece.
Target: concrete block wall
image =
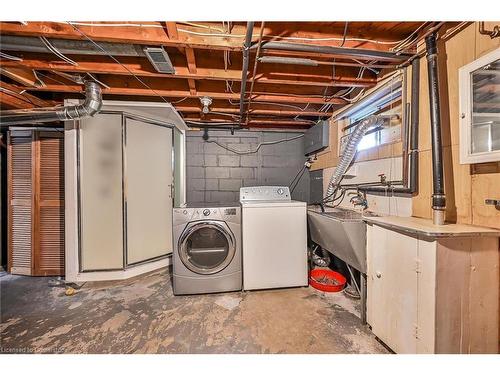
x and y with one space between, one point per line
216 175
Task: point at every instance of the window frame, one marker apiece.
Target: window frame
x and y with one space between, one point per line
350 113
465 111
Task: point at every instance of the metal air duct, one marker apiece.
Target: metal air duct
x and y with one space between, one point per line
91 106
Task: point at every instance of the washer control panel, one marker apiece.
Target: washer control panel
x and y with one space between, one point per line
187 214
265 193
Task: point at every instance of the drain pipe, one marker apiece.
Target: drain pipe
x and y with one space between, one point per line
91 106
337 51
244 70
438 196
412 187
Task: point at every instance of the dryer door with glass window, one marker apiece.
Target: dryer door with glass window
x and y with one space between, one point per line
207 247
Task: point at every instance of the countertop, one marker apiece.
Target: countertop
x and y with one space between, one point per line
425 227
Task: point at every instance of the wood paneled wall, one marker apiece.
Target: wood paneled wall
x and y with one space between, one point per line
466 186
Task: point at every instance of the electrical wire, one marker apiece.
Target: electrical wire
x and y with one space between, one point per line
297 178
257 148
4 55
180 100
56 52
118 62
345 34
229 35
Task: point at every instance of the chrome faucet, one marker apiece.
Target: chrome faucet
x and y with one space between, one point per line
359 199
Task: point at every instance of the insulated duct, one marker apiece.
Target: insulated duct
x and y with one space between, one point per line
68 47
91 106
438 197
350 151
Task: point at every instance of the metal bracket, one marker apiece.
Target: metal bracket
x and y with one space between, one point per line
493 202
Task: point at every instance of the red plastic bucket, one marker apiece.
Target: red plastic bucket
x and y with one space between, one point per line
326 280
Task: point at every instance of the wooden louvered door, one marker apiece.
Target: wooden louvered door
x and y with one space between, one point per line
36 197
20 157
49 203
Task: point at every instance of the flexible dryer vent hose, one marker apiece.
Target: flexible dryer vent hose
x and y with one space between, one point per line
350 151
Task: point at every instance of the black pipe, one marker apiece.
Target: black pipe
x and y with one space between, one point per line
412 188
340 51
438 197
244 70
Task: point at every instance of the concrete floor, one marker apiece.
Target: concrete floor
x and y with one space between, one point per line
141 315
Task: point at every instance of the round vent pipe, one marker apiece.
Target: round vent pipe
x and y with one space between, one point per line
91 106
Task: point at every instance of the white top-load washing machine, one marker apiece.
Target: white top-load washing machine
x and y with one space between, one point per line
274 238
207 249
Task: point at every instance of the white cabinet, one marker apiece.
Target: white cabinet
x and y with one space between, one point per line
392 286
433 294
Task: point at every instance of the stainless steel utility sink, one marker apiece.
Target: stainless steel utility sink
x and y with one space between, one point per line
341 232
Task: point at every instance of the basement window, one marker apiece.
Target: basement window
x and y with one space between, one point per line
384 101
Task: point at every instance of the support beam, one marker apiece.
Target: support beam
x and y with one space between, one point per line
191 60
151 33
254 111
16 91
24 76
181 94
360 35
283 75
8 101
192 69
172 31
192 87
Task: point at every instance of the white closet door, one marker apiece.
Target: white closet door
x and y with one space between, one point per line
101 192
148 190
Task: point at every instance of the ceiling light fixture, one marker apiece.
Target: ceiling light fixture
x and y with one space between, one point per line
206 101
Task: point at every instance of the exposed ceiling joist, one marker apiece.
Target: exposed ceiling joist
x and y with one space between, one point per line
24 76
345 58
186 93
19 93
153 33
257 111
8 101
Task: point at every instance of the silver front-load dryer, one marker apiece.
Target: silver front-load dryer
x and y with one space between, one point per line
207 249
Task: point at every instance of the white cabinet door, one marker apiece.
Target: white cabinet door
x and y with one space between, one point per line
392 288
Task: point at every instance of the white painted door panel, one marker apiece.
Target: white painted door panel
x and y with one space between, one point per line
148 163
101 193
426 314
392 288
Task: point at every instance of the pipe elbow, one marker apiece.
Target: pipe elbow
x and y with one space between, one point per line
93 101
91 105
